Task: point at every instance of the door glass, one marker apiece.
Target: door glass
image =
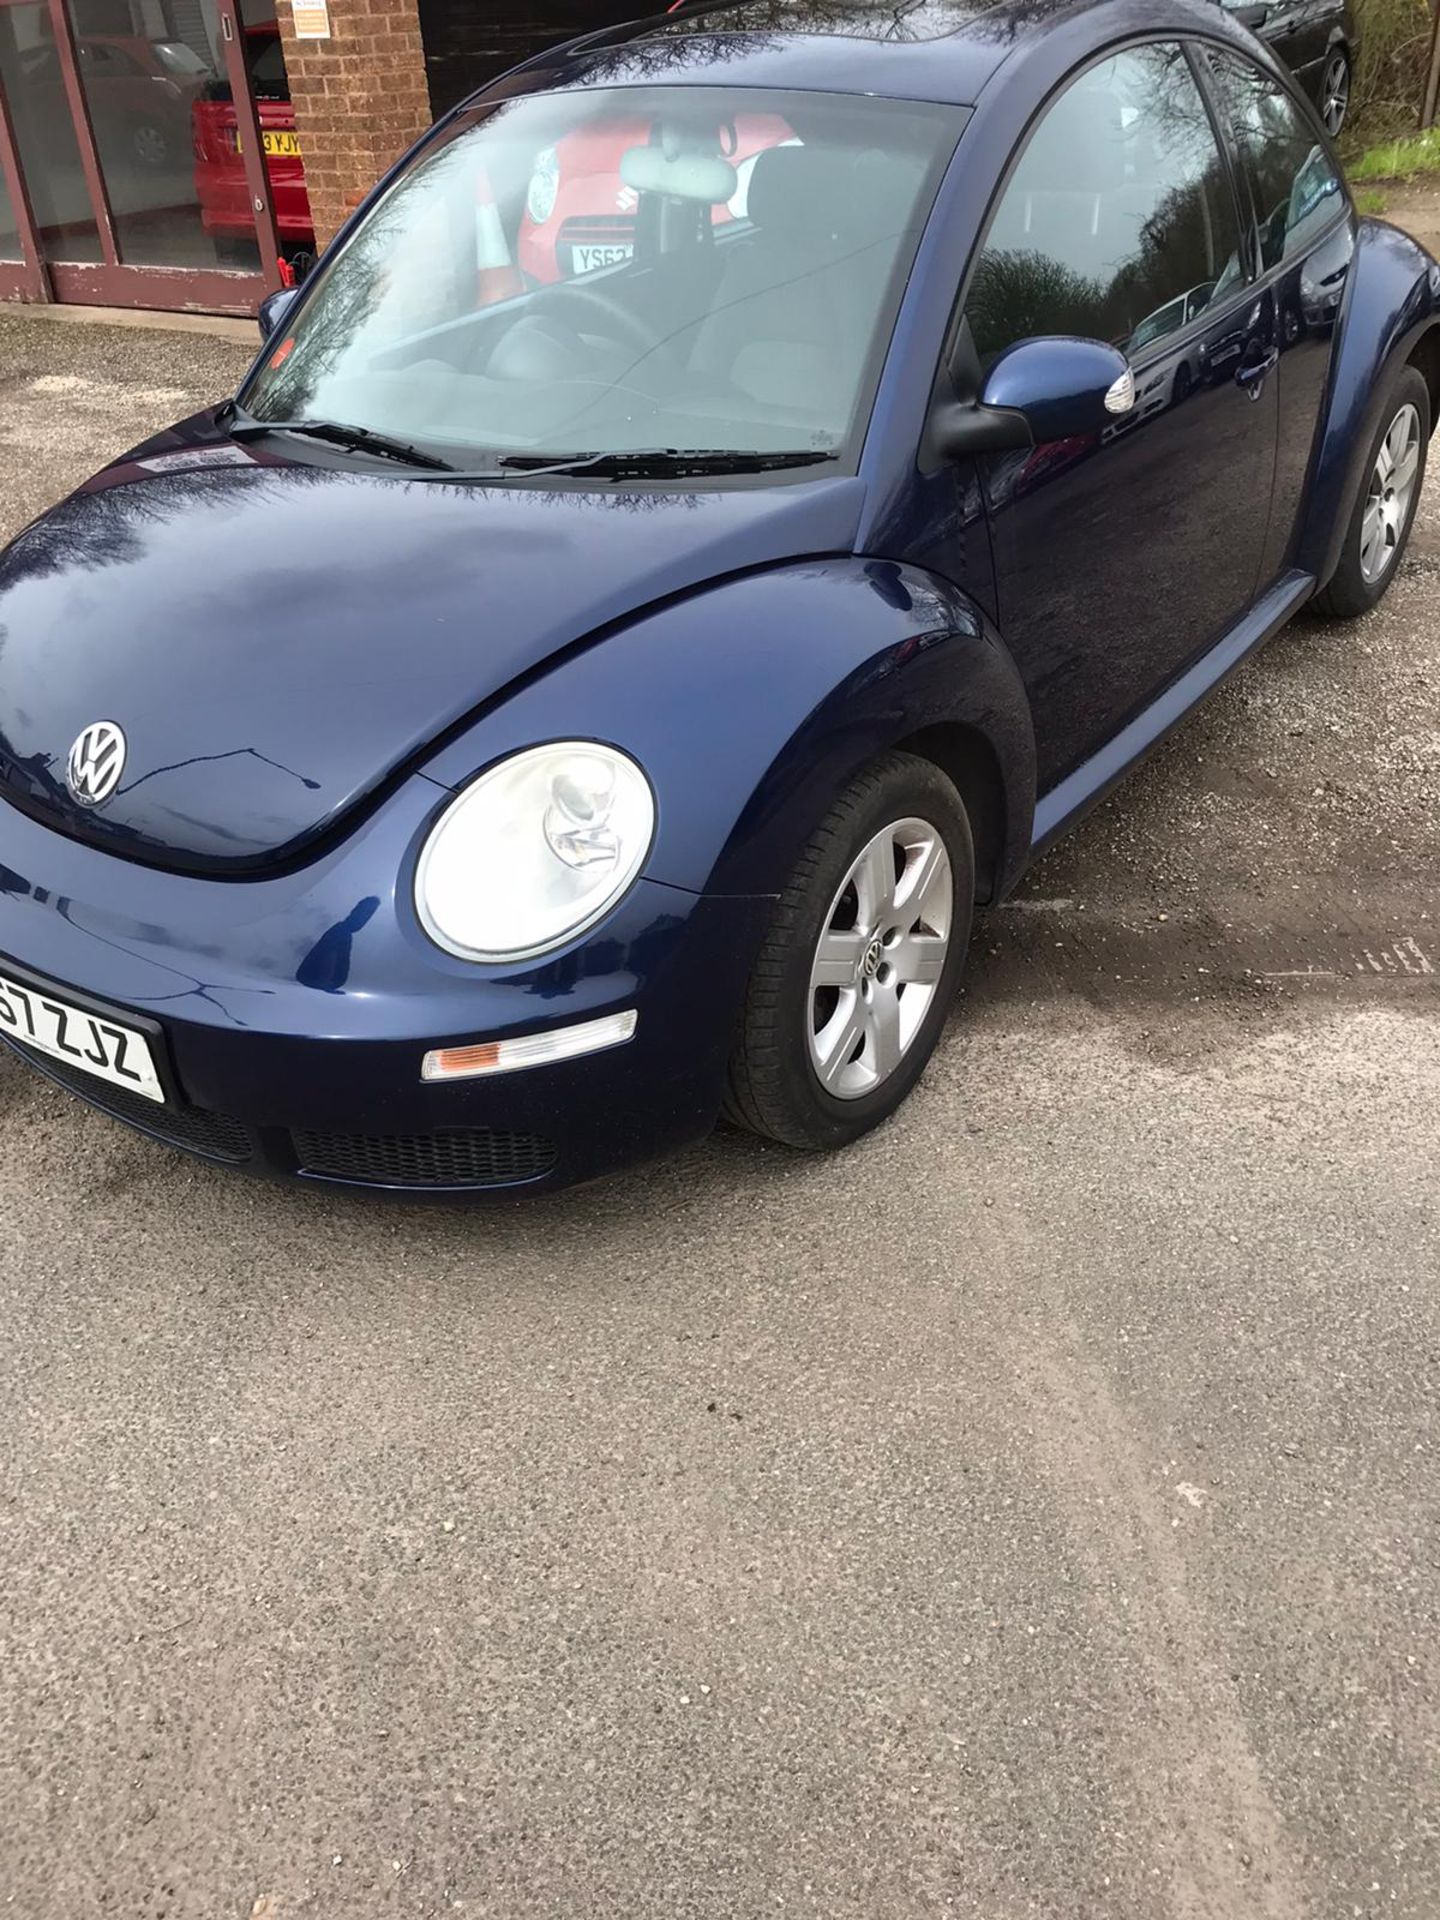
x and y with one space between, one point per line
9 227
165 134
1119 222
44 135
1297 185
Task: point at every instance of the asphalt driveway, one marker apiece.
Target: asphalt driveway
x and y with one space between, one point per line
1032 1512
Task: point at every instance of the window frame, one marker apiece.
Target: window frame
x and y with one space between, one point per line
1243 169
960 357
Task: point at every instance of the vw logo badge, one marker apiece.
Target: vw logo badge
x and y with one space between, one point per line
97 761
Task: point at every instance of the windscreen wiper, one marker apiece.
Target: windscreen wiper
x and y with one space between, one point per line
662 463
361 439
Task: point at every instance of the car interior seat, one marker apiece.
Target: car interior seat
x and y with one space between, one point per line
798 295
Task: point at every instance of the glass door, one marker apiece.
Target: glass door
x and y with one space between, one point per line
21 276
138 152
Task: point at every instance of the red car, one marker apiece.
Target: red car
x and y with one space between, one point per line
220 165
579 214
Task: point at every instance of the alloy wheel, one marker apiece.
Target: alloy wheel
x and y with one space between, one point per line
880 958
1387 503
151 146
1335 93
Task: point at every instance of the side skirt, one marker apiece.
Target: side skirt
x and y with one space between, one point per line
1064 804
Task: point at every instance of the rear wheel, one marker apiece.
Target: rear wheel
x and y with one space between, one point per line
1335 90
1385 511
849 993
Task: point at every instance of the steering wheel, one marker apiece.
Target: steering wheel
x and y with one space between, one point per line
623 324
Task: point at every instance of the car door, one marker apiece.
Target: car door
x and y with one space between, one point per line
1299 31
1122 556
1306 239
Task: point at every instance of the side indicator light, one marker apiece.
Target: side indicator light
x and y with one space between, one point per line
530 1049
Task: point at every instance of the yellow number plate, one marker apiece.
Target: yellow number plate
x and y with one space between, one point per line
285 146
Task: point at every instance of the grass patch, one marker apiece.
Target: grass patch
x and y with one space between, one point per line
1399 159
1370 200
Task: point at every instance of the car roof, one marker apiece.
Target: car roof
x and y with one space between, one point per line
904 24
931 50
941 50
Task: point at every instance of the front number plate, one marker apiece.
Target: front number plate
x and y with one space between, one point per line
88 1040
591 259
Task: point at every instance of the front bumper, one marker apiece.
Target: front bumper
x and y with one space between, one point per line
295 1011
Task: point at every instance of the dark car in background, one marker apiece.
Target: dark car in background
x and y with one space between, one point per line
1316 39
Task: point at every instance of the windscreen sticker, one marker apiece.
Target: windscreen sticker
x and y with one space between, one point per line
230 456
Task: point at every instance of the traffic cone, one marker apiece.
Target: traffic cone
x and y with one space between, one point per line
496 277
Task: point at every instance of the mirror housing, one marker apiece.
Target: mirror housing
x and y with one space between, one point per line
1052 388
273 309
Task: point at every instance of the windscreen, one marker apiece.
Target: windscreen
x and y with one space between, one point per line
601 272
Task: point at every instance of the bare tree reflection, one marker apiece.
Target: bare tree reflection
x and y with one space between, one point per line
1111 267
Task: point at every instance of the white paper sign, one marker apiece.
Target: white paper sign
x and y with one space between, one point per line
312 19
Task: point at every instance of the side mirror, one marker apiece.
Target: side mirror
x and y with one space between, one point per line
273 309
1053 388
1253 17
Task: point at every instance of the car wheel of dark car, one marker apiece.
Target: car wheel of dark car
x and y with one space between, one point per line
1394 473
1335 90
850 990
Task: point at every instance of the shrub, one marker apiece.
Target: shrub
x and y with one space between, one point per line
1390 69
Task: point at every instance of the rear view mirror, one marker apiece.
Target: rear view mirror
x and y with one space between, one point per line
682 174
273 309
1053 388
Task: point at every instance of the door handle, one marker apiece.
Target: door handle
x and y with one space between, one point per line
1250 374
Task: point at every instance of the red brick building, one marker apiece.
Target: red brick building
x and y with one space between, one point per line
176 153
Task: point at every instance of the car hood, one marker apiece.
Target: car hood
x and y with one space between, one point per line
276 641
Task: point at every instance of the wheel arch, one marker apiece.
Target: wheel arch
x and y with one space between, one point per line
1391 315
1425 357
967 758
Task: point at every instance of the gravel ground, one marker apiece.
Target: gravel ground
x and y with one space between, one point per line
1032 1512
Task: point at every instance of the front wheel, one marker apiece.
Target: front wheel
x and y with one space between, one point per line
1383 514
849 992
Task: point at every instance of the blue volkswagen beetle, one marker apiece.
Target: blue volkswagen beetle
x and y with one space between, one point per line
541 713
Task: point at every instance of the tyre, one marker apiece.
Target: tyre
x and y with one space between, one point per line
1385 509
850 989
1334 95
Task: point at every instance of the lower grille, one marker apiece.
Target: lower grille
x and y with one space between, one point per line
215 1135
454 1157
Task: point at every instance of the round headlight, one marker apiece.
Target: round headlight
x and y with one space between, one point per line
544 185
534 851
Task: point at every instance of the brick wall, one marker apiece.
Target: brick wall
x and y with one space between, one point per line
360 99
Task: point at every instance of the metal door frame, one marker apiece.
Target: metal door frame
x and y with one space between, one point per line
111 281
22 279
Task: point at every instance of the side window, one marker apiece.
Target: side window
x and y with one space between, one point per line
1119 222
1298 190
